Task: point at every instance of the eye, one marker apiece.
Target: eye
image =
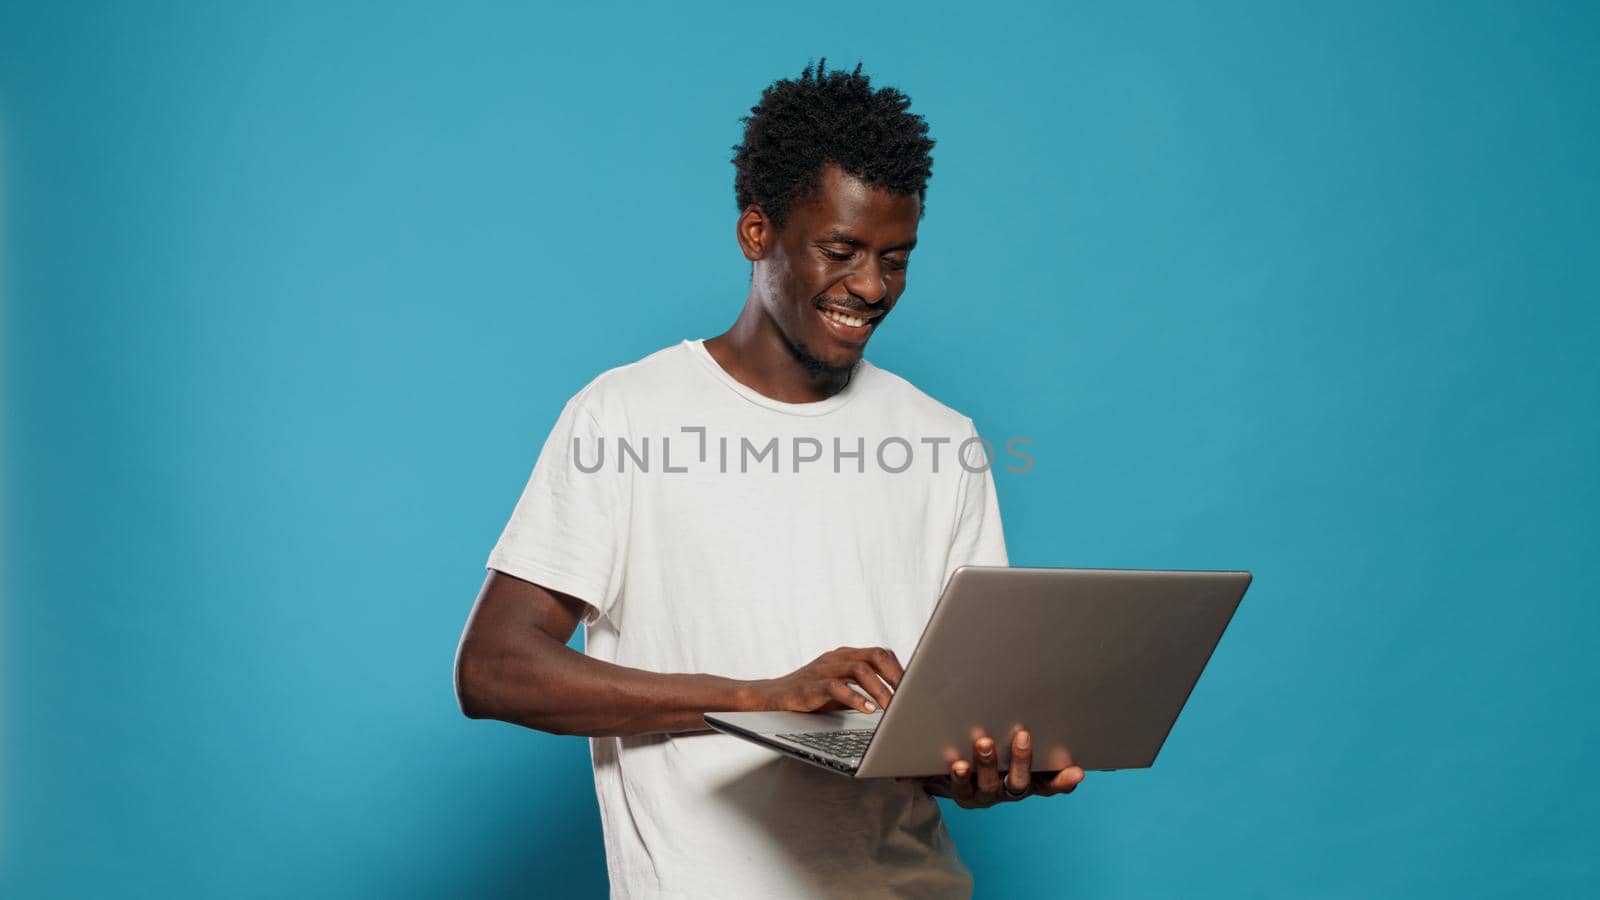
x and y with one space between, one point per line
898 265
836 256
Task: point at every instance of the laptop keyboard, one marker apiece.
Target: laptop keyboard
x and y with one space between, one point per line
845 744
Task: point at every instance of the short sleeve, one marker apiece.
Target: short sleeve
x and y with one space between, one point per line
978 538
568 530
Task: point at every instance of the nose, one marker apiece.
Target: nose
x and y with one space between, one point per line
868 281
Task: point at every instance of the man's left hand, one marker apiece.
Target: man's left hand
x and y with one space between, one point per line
978 783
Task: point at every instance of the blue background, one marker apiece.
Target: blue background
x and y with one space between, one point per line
292 296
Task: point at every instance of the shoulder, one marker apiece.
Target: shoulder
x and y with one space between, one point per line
608 395
908 404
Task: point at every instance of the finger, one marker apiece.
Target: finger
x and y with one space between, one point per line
887 664
1018 777
988 767
869 678
1063 782
847 695
858 666
961 781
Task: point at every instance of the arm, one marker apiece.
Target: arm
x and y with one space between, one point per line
513 664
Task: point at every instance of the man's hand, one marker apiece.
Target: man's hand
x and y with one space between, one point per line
824 683
975 786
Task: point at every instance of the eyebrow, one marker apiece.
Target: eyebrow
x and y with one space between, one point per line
838 237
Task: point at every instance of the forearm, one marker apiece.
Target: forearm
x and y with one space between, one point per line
547 685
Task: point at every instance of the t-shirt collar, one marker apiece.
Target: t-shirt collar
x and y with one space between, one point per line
697 349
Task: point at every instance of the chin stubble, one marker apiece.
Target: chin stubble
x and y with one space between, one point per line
815 367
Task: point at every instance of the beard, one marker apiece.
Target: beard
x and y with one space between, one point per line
817 368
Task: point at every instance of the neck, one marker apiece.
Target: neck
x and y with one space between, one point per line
754 351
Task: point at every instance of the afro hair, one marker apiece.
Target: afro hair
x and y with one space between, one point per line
803 124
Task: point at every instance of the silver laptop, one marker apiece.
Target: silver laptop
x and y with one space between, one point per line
1095 662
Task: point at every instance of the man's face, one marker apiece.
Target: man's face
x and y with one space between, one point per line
838 267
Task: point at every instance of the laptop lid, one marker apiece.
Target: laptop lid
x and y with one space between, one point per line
1097 663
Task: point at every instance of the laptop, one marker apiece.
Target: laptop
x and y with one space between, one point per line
1095 663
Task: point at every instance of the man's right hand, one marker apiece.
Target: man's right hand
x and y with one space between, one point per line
514 665
825 683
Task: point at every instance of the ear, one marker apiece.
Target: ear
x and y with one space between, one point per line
755 233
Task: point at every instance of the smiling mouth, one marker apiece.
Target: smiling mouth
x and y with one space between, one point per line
845 318
847 328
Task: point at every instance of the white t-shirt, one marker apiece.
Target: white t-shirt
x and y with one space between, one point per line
712 529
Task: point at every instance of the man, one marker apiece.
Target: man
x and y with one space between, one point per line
726 511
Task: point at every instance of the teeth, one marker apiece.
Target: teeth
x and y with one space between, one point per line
843 319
